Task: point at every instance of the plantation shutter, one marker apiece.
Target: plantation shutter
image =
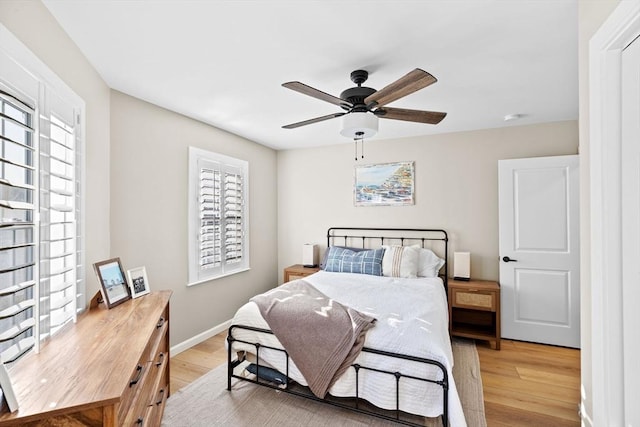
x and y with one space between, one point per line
18 233
61 257
210 254
233 215
41 231
220 226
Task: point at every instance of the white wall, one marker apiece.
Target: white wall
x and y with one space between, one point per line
456 188
34 26
149 158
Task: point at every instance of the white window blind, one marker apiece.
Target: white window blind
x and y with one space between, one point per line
61 265
41 240
18 234
218 215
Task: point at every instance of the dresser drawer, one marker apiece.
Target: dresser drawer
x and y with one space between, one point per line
470 298
139 403
154 416
155 352
135 382
158 373
159 334
151 399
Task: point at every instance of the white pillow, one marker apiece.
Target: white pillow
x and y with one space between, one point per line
400 261
429 264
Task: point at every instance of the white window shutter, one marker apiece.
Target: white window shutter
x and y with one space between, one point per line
210 247
18 234
41 258
218 215
59 261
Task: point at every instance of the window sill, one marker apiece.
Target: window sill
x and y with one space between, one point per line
209 279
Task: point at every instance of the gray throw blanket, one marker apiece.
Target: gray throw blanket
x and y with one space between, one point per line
322 336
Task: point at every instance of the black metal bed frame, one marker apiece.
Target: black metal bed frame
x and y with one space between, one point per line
364 236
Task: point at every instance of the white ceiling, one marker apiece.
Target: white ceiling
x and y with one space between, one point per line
223 62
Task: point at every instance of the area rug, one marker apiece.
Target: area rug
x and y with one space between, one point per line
206 401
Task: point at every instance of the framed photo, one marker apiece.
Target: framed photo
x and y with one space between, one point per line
385 184
138 281
115 289
7 389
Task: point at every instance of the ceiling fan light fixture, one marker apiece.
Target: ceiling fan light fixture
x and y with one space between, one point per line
359 125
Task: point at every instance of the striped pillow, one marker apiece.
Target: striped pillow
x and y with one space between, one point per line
400 261
343 260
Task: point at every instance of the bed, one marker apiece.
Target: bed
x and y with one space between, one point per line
405 366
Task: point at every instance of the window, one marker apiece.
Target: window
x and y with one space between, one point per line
218 215
17 227
41 242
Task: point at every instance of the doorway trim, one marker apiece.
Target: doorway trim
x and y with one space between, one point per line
605 134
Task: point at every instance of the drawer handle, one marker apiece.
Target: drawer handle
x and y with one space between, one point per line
160 359
161 393
140 420
135 381
160 323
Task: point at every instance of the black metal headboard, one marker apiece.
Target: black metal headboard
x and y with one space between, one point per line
376 237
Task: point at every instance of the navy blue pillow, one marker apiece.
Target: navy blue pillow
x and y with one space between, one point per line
343 260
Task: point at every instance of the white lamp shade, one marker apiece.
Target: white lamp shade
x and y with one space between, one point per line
461 265
309 255
354 123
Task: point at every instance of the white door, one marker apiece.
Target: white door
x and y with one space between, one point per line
539 250
630 173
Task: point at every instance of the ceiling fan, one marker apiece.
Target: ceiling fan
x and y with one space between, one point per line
363 105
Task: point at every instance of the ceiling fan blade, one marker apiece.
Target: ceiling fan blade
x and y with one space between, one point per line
411 82
311 121
308 90
430 117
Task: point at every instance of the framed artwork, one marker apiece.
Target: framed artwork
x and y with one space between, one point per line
7 389
115 289
385 184
138 281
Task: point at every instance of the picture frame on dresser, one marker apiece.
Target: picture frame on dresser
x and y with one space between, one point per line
8 394
113 283
138 281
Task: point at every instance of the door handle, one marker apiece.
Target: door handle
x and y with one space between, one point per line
507 259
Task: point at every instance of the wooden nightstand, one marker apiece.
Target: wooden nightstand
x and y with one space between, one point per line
298 271
474 310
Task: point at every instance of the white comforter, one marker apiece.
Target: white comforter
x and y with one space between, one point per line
412 319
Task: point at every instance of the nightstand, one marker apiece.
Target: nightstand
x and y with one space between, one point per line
474 310
298 271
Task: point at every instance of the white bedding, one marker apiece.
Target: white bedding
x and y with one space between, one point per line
412 319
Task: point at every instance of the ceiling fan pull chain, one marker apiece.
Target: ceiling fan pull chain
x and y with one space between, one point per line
355 148
359 136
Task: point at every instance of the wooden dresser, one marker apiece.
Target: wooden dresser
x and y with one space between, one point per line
111 368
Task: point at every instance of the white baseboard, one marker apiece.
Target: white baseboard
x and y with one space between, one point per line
185 345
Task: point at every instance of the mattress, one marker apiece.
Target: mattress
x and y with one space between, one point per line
412 319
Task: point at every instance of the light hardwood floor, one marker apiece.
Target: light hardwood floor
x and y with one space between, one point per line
524 384
529 384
